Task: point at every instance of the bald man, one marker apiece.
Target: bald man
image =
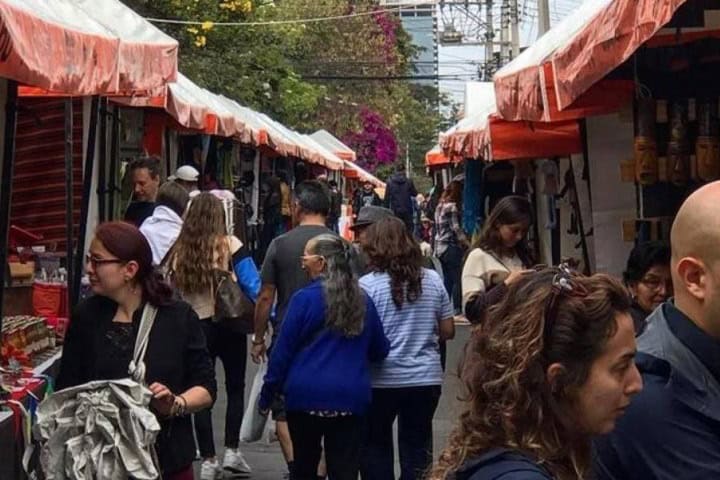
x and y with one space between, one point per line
672 429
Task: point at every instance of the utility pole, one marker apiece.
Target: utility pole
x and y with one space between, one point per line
408 170
504 30
515 27
543 17
490 37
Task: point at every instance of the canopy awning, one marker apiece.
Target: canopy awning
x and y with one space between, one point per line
486 135
570 59
353 171
82 47
436 157
332 143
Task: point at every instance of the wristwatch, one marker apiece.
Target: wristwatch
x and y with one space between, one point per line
256 341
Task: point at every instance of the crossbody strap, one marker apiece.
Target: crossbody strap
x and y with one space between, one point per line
137 365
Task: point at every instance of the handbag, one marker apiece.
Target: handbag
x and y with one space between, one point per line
254 422
100 429
232 307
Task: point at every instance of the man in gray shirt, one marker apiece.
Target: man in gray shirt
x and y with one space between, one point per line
282 274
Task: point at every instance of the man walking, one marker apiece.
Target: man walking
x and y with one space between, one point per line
671 430
399 195
282 274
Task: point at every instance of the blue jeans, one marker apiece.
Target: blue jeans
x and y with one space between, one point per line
414 407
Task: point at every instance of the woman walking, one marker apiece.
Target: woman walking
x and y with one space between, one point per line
450 239
202 248
321 362
550 367
417 315
499 257
101 338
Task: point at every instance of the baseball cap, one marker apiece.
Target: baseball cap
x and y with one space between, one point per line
186 173
369 215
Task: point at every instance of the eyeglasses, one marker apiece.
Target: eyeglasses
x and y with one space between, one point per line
564 283
97 261
656 283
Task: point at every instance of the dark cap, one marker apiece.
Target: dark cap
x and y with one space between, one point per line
369 215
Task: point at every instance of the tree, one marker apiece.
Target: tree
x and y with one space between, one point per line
309 75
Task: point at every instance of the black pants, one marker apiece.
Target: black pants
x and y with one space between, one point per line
340 436
452 263
414 407
231 348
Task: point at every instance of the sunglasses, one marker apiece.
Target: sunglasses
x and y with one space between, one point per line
564 283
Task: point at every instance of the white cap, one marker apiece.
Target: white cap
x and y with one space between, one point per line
186 173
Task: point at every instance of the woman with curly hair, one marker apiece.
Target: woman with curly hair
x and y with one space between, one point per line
552 366
202 248
417 315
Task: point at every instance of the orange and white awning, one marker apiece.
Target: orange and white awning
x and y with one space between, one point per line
82 47
333 144
436 157
570 61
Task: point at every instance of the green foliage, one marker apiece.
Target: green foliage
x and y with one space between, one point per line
298 73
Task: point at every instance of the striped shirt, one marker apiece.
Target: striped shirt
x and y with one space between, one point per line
414 358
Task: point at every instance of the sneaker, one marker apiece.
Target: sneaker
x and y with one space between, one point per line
235 464
210 470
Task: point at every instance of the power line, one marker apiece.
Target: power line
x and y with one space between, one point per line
456 77
273 22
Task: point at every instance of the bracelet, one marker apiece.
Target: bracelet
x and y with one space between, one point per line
179 406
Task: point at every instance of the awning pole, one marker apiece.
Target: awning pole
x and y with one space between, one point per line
6 185
168 164
102 164
114 148
87 187
69 265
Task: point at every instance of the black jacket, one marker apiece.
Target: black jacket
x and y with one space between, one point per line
365 199
176 356
399 193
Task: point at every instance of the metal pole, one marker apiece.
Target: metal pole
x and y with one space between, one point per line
168 164
504 29
87 187
543 17
407 160
114 148
515 28
6 185
102 164
69 224
489 38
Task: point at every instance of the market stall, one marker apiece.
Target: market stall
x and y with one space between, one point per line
51 59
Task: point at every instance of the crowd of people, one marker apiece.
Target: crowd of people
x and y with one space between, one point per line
565 376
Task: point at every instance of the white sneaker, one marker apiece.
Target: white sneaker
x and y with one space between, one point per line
235 464
210 470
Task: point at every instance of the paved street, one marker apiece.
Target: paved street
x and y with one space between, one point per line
266 460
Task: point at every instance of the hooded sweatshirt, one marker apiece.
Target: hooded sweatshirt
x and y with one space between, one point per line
161 230
399 194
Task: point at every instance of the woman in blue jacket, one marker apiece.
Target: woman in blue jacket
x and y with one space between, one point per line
321 362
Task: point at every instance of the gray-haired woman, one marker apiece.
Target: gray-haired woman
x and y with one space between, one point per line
330 334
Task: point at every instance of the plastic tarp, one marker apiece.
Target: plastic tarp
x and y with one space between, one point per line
186 105
57 47
468 136
322 155
332 143
583 48
436 157
82 47
353 171
148 57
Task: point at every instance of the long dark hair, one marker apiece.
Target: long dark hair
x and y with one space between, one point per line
452 193
508 211
126 243
344 299
391 249
509 402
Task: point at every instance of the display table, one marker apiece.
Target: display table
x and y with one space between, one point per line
11 440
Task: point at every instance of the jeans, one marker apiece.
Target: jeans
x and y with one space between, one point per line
452 263
231 348
340 436
414 407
